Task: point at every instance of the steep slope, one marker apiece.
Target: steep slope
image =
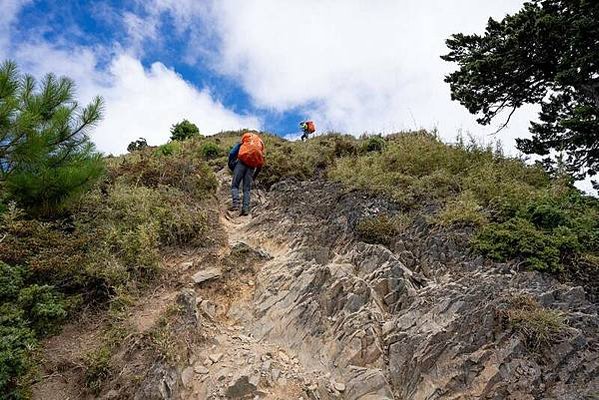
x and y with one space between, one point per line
301 309
436 329
293 303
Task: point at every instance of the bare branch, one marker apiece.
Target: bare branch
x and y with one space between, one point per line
505 124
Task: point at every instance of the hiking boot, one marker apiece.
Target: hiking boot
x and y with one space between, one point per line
245 212
233 208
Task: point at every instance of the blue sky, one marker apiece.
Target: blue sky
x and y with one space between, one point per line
93 24
352 66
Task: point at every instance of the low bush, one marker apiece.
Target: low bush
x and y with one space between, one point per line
183 169
463 210
539 326
97 368
518 238
374 143
211 151
28 312
168 149
547 232
381 229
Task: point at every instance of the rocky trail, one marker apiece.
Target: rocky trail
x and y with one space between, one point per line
293 306
239 361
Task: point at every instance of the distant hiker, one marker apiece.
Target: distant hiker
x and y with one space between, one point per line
308 128
246 159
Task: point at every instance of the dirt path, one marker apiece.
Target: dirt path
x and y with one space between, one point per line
235 362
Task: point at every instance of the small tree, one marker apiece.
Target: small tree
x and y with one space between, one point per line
137 145
184 130
544 54
46 156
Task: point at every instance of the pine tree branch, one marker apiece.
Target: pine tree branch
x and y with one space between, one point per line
506 123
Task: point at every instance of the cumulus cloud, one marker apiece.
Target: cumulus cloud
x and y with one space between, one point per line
145 103
353 66
140 102
10 10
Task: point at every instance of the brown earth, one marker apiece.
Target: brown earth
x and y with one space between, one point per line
294 306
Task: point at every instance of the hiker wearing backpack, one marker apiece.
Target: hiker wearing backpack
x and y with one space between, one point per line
246 159
307 128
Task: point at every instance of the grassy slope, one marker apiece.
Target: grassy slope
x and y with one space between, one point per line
107 253
109 250
517 211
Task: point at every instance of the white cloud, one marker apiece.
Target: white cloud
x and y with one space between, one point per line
139 102
354 66
139 29
145 103
10 10
351 65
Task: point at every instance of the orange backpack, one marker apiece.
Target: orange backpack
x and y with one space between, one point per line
311 126
251 152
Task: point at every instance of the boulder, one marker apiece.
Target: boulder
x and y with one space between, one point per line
206 275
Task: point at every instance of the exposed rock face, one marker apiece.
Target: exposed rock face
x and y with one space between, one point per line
161 383
419 322
186 299
206 275
241 388
321 315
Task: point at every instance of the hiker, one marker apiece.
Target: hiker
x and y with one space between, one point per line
245 161
308 128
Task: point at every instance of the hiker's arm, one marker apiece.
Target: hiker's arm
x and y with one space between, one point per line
234 153
233 156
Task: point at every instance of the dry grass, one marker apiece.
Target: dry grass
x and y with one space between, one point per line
539 326
381 229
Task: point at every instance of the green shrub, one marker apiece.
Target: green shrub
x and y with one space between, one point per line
342 145
463 210
184 170
547 231
44 308
181 221
40 306
16 342
168 149
519 238
27 313
97 368
211 150
374 143
49 252
134 223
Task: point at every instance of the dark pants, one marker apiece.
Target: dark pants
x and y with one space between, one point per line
242 173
